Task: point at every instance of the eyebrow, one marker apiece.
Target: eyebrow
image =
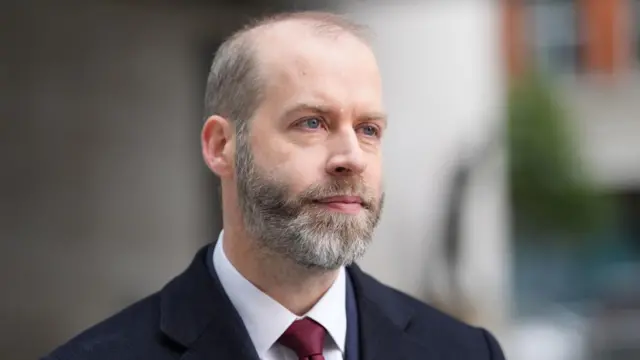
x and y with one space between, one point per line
328 111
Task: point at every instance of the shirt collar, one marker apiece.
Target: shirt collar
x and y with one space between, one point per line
331 312
266 319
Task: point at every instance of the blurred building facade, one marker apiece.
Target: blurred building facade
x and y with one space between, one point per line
585 294
592 48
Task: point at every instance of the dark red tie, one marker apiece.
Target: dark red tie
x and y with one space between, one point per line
306 338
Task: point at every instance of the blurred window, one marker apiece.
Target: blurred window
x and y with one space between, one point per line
553 29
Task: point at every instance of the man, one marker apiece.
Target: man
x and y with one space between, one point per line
294 129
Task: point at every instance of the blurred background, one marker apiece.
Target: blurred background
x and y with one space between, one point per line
512 162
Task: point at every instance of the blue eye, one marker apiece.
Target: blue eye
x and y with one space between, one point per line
370 130
312 123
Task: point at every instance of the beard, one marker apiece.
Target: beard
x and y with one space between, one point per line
296 226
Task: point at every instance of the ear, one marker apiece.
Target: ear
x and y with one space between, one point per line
218 146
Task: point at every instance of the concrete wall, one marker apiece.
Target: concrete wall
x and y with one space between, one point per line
104 194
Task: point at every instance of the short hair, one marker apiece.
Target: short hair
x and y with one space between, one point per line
234 86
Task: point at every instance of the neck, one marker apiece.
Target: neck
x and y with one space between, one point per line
295 287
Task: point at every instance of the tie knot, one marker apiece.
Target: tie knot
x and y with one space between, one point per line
305 337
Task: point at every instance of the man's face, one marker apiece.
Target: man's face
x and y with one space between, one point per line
309 167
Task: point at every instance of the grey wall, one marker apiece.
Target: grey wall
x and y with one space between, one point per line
104 196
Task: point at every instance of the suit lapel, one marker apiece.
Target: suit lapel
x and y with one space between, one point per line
196 313
222 342
352 351
383 322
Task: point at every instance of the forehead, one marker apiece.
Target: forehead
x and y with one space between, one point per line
300 65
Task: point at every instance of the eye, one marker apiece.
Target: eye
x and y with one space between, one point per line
370 130
312 123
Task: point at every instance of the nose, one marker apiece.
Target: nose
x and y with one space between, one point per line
346 156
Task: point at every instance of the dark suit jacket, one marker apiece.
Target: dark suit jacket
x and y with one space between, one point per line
192 318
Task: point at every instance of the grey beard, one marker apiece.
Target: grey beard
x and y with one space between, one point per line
297 228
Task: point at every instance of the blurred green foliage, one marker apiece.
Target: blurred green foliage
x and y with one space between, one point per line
550 190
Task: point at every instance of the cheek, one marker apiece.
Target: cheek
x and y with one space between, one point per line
373 174
305 168
298 176
297 167
268 153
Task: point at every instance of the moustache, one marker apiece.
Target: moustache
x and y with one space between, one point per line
352 187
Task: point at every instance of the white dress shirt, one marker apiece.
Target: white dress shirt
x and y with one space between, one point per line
266 319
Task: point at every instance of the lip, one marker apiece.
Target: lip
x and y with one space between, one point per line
343 204
341 199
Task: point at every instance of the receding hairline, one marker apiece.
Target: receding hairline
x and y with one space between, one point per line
322 24
237 78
